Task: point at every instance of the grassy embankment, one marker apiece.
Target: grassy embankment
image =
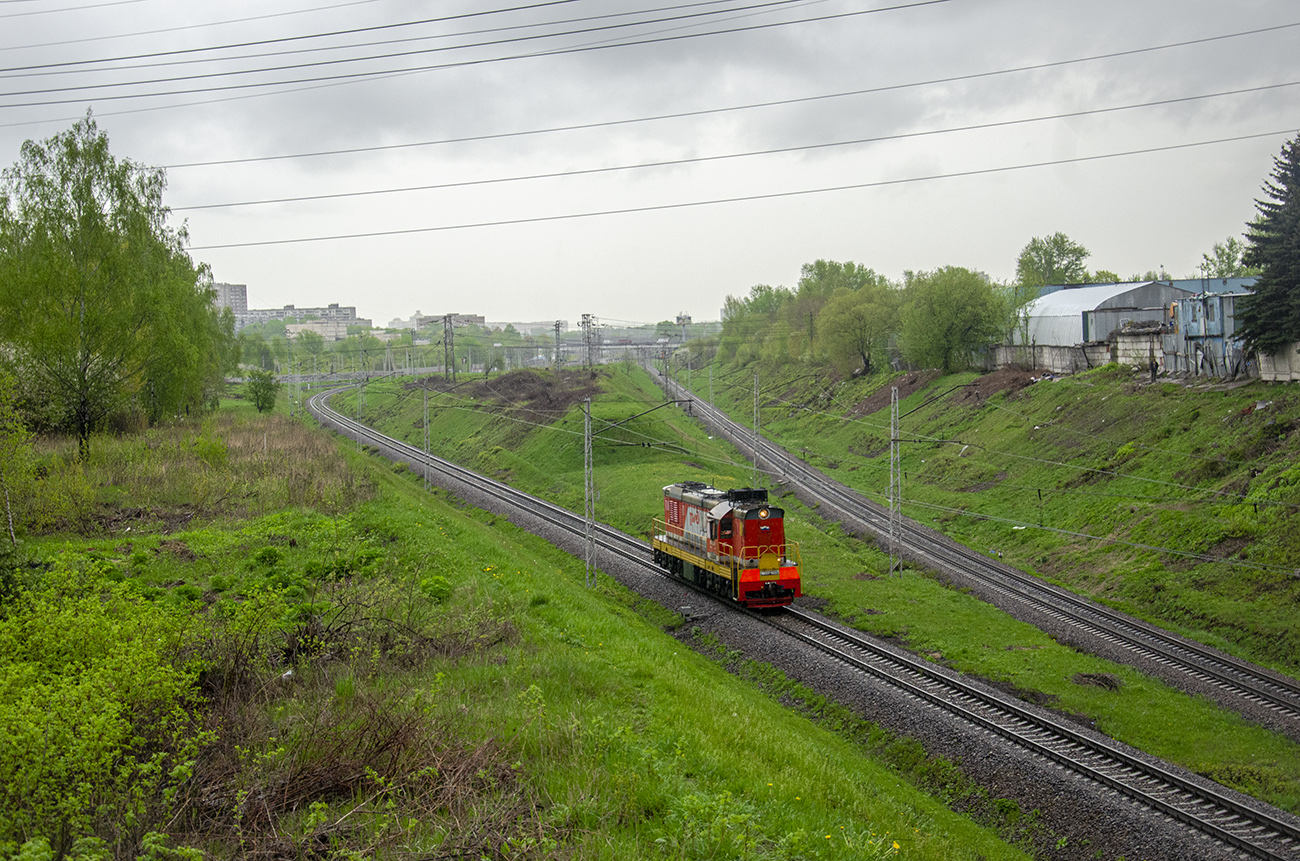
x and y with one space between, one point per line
493 430
248 637
1210 473
1188 496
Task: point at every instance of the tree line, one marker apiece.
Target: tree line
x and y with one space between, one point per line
851 316
857 319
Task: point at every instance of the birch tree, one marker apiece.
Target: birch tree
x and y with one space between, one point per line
102 311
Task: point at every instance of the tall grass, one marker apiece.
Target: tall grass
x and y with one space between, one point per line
234 463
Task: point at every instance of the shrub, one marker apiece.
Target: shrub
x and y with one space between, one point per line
436 588
93 711
262 389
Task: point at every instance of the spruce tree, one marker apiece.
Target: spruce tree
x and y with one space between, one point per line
1270 319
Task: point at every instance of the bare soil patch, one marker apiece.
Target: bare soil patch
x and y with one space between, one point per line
1098 680
1010 380
177 548
908 384
1233 547
128 518
528 390
983 485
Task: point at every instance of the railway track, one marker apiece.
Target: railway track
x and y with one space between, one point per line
1236 683
1250 827
1222 815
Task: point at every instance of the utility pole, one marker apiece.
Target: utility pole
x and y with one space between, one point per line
895 486
448 349
293 387
588 326
756 430
589 493
426 439
361 405
558 325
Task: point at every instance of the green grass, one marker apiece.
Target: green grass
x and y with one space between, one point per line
393 674
1197 471
918 611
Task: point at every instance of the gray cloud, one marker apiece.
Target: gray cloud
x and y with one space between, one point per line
1135 213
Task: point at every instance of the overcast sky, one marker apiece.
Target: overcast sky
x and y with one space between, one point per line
882 163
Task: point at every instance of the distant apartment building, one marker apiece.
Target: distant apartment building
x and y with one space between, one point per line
330 330
419 320
232 296
537 328
345 315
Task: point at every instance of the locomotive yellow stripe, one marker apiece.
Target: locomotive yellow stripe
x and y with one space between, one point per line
698 561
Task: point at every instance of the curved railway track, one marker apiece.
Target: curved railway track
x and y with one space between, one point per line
1236 683
1250 827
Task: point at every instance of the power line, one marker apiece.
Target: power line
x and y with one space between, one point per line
726 156
70 67
67 8
160 31
358 76
952 79
731 108
742 198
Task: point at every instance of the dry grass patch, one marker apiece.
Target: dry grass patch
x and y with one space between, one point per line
231 464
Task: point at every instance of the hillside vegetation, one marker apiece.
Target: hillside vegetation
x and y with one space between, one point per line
535 442
1176 502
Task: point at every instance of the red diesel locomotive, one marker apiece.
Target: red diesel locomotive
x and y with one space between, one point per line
728 541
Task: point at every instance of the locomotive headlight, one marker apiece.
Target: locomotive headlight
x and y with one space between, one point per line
762 514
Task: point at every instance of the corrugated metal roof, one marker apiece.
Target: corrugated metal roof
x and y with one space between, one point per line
1076 300
1217 285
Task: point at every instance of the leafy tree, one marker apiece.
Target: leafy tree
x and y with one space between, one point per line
102 312
194 350
947 315
818 282
312 344
1225 260
749 323
765 299
1054 259
15 457
262 388
858 323
1270 318
255 350
1104 276
1152 275
822 278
